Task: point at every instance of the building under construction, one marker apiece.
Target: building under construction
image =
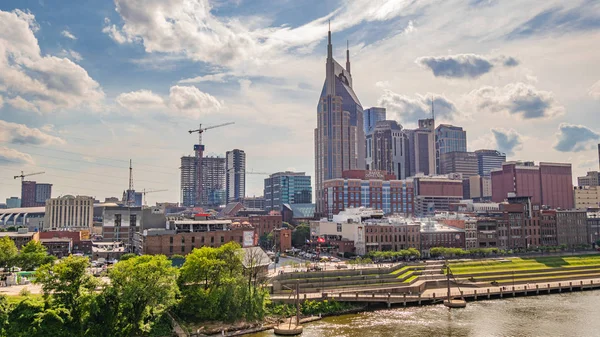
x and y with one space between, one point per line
212 182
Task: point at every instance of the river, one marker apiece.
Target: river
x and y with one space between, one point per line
573 314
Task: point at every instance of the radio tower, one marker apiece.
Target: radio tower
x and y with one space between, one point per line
130 192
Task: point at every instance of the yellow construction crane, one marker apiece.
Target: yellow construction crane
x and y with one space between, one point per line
201 130
22 176
144 192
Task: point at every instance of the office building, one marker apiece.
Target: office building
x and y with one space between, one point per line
488 160
236 175
254 202
449 138
42 193
371 117
464 163
287 188
34 194
480 188
69 213
213 181
572 228
339 135
548 184
119 223
586 197
387 148
13 202
373 189
422 148
188 181
435 194
592 178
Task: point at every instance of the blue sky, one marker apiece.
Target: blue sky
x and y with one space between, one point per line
87 85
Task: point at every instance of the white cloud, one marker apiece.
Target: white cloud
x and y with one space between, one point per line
408 109
595 90
519 99
114 32
140 100
68 35
39 83
72 54
186 101
21 134
206 78
10 156
1 101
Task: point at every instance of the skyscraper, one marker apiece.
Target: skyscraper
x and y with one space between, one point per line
188 180
422 148
236 175
287 188
388 149
339 135
459 162
35 194
371 117
449 138
213 179
488 160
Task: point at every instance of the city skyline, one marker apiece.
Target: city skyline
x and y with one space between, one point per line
103 85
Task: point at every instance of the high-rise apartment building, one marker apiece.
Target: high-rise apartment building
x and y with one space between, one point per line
34 194
548 184
422 148
371 117
69 213
449 138
464 163
388 149
213 181
488 160
188 180
339 135
287 188
236 175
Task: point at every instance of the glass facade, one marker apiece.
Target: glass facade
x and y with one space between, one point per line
287 188
371 117
449 138
488 160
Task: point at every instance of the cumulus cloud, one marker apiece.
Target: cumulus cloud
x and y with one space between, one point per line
39 83
517 99
463 65
72 54
140 100
189 27
10 156
187 101
68 35
595 90
507 141
21 134
410 110
575 138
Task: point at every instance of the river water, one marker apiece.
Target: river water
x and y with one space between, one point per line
573 314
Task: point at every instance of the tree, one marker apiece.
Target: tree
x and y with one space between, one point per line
300 235
127 256
4 312
8 252
67 284
33 255
145 286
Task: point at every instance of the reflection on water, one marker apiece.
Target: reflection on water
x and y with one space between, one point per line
574 314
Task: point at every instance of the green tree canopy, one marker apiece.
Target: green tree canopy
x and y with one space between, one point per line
8 252
145 286
33 255
300 235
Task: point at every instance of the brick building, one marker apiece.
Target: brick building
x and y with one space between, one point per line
487 233
572 228
394 237
434 234
22 237
548 184
374 189
435 194
80 240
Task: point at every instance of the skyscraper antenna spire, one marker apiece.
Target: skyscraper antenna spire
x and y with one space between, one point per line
432 111
348 56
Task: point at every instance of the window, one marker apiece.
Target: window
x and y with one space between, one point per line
222 239
117 220
212 239
339 228
171 240
133 220
182 249
202 239
193 239
171 249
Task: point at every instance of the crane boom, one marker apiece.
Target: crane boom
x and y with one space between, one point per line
22 175
201 130
144 192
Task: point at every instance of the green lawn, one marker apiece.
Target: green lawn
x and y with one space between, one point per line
15 299
410 279
514 264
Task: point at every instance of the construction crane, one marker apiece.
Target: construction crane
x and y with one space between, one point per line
22 176
201 130
144 192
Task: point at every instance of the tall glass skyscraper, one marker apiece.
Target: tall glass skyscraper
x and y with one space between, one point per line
371 117
449 138
287 188
340 135
488 160
235 166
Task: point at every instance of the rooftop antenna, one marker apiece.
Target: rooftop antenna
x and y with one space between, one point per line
130 194
432 111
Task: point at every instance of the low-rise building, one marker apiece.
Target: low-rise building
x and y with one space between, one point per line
435 234
572 228
59 247
22 237
119 223
586 196
80 240
593 223
108 250
487 233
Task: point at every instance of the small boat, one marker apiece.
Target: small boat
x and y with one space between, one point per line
451 302
289 328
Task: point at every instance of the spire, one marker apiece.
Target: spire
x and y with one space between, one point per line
432 111
329 47
347 56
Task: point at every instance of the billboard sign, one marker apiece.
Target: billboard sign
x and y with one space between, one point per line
248 240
